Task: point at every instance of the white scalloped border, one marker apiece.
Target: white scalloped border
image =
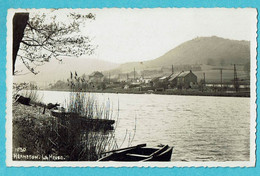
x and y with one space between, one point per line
9 82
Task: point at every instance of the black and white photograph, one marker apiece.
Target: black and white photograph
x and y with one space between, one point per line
115 87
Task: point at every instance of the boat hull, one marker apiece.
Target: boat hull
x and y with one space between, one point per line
83 122
141 154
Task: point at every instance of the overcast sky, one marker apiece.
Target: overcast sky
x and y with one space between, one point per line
125 35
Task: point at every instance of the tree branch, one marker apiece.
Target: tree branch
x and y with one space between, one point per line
30 44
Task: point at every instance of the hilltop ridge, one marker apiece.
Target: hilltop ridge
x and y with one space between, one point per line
201 50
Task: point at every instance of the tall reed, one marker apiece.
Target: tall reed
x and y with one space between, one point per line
88 106
91 143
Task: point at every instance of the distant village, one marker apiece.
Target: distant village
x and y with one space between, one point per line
173 82
202 71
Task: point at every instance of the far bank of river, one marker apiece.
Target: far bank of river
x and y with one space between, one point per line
166 92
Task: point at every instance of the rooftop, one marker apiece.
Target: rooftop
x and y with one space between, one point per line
183 74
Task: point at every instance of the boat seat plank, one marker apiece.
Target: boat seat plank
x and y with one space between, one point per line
137 155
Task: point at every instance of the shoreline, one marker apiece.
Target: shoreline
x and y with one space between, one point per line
174 92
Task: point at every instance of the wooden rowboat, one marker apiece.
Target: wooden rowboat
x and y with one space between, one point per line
84 122
139 153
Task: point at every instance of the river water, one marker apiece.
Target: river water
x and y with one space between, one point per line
200 128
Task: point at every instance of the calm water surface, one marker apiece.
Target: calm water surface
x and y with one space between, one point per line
200 128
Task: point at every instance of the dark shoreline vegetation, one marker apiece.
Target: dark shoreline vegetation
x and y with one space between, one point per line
41 136
170 92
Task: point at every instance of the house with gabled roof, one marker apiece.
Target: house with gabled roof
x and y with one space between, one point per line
173 79
96 77
183 79
186 79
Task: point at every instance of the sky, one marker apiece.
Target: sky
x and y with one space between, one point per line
126 35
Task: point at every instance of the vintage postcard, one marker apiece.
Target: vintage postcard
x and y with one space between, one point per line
115 87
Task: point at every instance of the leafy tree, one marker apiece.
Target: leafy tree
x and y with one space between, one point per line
39 37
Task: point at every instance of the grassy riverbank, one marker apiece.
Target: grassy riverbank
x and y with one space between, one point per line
43 137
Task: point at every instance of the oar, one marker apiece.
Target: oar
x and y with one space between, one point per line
128 148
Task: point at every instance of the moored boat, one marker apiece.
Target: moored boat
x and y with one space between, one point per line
139 153
82 121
